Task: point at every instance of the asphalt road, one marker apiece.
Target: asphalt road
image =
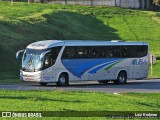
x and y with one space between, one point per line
131 86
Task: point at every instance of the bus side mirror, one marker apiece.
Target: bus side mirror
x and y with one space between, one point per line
17 54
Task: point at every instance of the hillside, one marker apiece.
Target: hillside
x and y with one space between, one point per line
24 23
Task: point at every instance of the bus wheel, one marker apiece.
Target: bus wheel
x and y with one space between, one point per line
43 84
63 80
121 79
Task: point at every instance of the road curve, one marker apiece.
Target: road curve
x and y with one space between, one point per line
152 85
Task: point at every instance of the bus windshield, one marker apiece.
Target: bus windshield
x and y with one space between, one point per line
31 60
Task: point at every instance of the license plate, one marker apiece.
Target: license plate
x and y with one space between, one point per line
28 79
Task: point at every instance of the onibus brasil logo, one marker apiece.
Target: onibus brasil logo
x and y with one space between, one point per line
21 114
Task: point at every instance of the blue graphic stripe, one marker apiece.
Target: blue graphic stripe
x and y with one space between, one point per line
79 66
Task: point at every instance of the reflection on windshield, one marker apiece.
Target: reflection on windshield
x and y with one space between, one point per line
31 60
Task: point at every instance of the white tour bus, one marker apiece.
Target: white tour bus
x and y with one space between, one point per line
71 60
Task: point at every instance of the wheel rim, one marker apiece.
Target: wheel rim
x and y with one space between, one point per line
122 79
62 80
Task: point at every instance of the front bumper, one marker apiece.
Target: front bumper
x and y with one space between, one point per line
31 76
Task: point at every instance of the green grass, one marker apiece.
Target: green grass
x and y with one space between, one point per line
77 101
155 71
22 24
61 100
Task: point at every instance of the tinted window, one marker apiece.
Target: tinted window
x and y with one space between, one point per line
83 52
113 51
69 53
97 52
141 51
127 51
51 57
55 51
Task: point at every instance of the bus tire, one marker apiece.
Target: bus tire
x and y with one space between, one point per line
63 80
121 78
43 84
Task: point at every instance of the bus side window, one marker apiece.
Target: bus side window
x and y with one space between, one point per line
69 53
54 53
110 55
66 53
141 51
95 54
127 51
79 52
47 60
100 51
113 51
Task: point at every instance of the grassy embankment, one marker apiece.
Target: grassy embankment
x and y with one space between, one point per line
24 23
77 101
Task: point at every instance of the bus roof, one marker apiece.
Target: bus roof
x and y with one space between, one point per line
52 43
45 44
99 43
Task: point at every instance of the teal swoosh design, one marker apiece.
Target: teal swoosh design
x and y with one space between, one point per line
99 67
110 66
